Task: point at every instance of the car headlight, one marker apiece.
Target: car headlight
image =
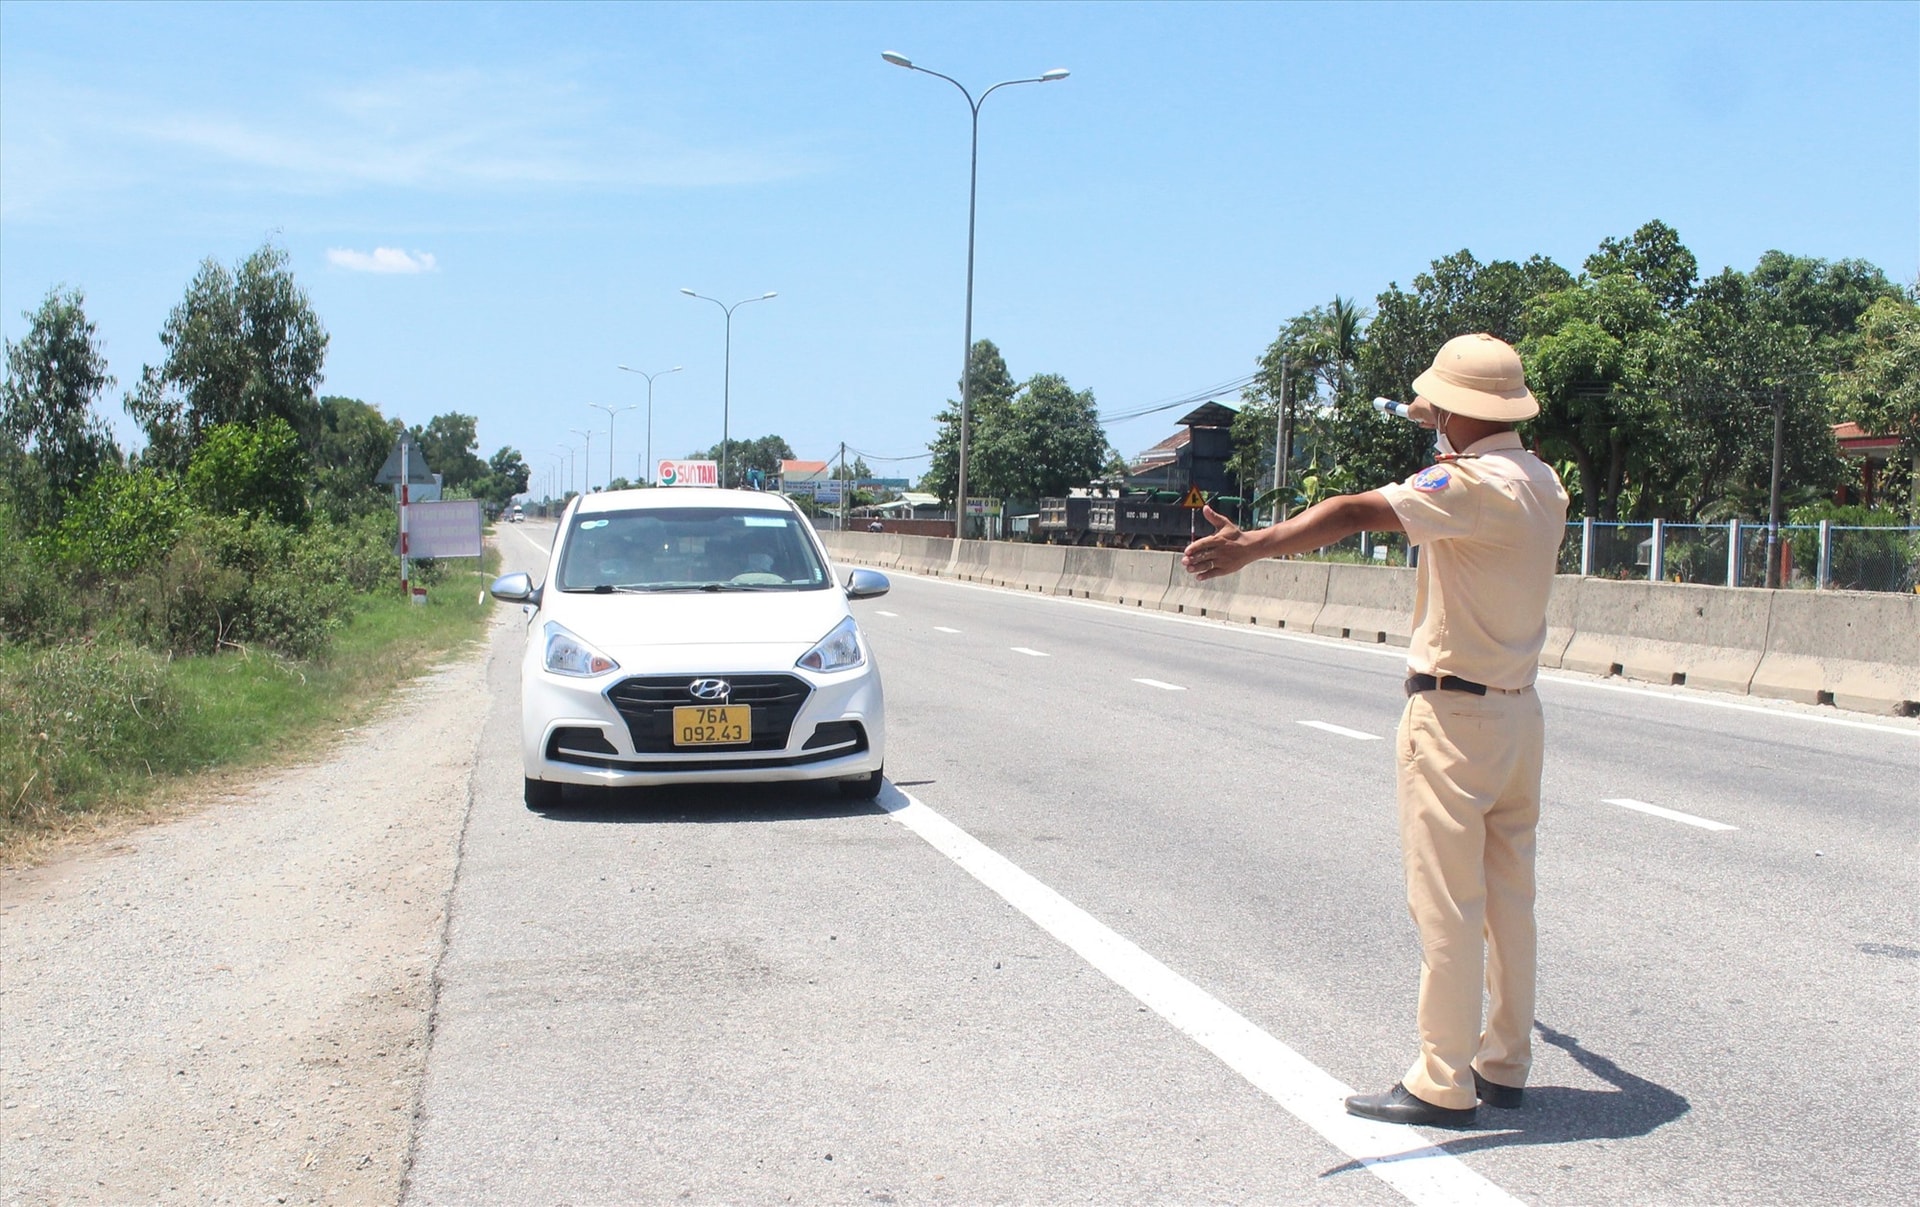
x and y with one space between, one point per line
568 655
837 651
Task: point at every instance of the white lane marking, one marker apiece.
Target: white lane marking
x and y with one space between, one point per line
1342 730
1398 1156
521 533
1678 695
1021 649
1640 806
1165 687
940 628
895 615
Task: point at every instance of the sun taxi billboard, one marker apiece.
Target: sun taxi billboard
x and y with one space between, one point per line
689 473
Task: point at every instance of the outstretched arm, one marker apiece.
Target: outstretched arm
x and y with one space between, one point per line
1330 520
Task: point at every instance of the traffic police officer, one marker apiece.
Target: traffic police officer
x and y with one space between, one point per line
1488 517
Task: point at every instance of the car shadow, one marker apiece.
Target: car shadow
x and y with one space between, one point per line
1559 1115
706 804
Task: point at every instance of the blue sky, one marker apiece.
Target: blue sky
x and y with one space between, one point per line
553 175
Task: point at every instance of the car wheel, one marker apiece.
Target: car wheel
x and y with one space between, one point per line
866 787
541 794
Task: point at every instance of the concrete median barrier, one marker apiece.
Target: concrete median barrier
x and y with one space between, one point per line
1853 649
1669 633
970 560
1562 600
1368 603
1137 578
1026 567
1287 595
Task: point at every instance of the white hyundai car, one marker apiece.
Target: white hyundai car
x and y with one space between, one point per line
687 636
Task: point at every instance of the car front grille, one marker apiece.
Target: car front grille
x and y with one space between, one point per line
647 702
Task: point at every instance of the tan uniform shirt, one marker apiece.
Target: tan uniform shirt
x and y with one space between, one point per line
1489 526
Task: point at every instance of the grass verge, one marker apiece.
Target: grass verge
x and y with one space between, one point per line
95 735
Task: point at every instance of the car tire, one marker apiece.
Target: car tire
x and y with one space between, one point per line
541 794
867 787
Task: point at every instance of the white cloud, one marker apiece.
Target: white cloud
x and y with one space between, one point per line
381 259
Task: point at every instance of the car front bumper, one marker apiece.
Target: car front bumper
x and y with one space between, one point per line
572 732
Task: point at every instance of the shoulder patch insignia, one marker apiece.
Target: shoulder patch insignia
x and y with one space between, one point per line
1431 479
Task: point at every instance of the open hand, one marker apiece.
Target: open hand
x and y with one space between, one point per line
1225 551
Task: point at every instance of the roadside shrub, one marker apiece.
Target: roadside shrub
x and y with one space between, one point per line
122 524
76 711
251 468
36 606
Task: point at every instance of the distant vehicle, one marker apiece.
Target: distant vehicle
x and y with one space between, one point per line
517 515
695 636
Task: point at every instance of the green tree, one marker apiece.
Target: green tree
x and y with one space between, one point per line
257 469
353 444
1825 297
1598 356
1044 440
506 476
993 390
1881 391
449 443
53 376
1739 360
242 347
1654 256
764 454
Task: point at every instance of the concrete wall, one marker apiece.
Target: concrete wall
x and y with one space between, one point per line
1856 650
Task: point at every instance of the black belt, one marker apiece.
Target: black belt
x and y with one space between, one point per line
1445 683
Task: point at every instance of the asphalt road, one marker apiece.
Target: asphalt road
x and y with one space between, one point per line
1127 923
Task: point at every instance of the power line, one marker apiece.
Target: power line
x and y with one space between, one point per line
1154 408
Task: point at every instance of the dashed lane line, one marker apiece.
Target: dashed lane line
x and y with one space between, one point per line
1399 1156
1678 695
1021 649
940 628
1165 687
1640 806
1342 730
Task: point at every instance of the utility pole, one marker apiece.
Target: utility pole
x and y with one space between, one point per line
843 486
1282 448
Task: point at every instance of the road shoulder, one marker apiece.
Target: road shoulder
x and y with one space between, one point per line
233 1006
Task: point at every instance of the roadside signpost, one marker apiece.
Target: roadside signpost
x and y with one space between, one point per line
405 466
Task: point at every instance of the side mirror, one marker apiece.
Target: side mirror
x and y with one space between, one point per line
867 584
515 588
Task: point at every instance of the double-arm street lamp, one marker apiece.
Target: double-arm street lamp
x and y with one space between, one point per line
726 388
973 183
648 475
568 451
611 412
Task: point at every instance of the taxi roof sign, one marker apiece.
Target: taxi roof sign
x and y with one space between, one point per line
1194 500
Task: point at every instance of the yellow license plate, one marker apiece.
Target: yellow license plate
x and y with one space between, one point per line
712 725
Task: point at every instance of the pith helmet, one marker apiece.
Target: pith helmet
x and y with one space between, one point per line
1480 377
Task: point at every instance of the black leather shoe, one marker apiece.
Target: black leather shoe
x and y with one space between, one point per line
1398 1105
1506 1097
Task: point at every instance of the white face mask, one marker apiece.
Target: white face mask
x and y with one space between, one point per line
1442 445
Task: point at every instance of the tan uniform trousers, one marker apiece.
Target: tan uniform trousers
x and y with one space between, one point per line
1469 795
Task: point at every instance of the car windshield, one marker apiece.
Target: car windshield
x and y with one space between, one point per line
689 549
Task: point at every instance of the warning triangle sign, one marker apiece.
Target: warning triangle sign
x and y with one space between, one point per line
1194 499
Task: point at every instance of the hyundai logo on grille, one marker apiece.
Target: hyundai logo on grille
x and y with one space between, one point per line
709 689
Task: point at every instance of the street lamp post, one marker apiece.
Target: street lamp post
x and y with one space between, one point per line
647 476
586 460
973 188
569 451
726 388
611 412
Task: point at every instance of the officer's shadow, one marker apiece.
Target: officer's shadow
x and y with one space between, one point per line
1559 1115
